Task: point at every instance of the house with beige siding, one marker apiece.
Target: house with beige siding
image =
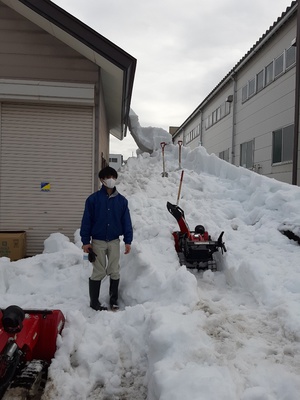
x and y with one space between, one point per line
249 118
64 89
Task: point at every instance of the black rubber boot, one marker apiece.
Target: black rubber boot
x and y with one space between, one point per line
94 289
113 293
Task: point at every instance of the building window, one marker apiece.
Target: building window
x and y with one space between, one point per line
214 117
290 57
283 144
208 122
279 67
217 115
224 155
192 134
222 110
227 107
260 81
251 87
269 73
244 93
246 157
272 71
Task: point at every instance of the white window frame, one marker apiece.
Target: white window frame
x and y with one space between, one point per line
276 75
258 89
244 93
224 155
271 64
286 139
251 83
287 67
214 117
246 149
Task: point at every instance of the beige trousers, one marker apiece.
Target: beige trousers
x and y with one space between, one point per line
107 260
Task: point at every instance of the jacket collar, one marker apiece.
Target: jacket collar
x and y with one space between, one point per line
114 193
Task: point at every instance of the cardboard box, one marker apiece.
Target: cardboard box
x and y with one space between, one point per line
13 244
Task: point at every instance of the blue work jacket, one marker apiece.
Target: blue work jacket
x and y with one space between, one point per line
106 217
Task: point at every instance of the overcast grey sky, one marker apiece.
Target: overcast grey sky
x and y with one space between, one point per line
183 48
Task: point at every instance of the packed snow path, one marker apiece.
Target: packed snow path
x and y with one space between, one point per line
230 335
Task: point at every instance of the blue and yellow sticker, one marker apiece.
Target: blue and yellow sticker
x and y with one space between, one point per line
45 186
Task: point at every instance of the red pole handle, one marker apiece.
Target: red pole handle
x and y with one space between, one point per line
180 184
179 144
163 144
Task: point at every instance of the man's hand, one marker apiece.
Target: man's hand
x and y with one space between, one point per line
86 247
127 249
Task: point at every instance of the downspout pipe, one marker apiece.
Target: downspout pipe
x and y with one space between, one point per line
201 128
233 119
297 94
96 144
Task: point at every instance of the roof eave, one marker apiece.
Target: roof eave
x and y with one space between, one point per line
97 49
260 43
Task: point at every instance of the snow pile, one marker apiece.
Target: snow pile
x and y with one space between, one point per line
231 334
149 138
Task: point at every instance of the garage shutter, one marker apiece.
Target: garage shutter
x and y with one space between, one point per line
46 169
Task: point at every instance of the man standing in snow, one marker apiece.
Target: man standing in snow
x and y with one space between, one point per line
106 217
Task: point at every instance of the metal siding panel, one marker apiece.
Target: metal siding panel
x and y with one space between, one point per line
44 143
41 55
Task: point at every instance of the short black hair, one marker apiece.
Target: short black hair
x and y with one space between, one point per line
108 171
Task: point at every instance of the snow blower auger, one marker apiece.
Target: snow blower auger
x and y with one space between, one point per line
27 346
195 248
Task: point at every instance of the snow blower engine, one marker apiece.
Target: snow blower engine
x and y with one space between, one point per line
195 248
27 346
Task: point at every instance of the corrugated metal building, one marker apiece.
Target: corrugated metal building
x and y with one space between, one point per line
64 89
249 117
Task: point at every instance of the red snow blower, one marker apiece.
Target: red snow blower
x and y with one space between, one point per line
27 346
195 248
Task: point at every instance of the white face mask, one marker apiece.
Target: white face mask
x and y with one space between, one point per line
109 183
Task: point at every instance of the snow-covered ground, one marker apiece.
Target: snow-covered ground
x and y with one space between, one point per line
233 334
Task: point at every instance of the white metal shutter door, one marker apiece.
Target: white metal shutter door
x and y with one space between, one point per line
44 144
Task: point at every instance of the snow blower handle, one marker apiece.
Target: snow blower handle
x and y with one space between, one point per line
176 211
221 244
92 256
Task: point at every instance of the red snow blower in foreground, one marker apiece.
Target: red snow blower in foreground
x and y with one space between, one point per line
27 346
195 248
